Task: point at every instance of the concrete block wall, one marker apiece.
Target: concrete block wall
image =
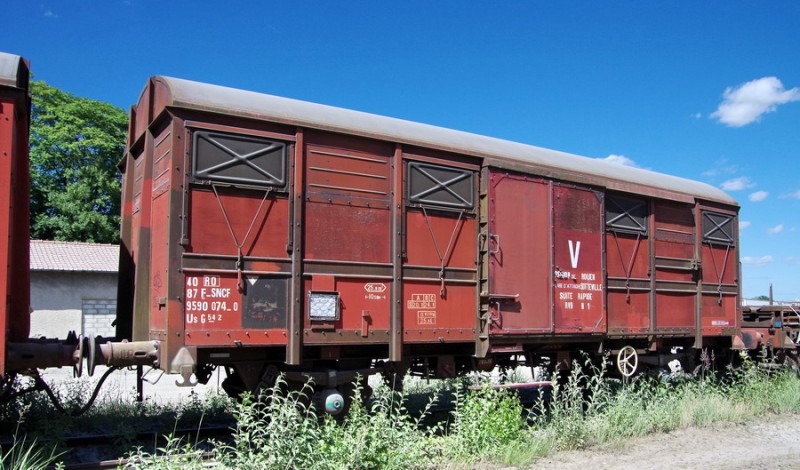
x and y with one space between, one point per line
98 314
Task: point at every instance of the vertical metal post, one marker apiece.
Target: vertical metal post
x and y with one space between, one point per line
396 308
294 340
698 256
482 254
139 384
651 260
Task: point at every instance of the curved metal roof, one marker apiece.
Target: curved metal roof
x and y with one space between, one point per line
9 69
214 98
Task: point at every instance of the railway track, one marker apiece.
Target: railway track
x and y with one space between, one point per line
101 451
90 451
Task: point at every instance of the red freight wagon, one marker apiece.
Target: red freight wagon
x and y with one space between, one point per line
14 274
265 234
17 351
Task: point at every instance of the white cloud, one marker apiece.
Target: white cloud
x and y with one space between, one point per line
50 14
620 160
737 184
794 195
760 261
758 196
744 224
746 103
696 115
776 229
721 167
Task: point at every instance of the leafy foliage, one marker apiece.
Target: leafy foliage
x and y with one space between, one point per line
487 427
75 144
485 421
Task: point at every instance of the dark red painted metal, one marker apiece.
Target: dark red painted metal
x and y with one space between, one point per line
675 263
578 299
14 207
719 276
520 254
629 282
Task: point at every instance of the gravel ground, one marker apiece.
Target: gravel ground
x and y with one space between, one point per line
769 442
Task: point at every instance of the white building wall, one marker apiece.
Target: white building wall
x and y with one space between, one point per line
58 299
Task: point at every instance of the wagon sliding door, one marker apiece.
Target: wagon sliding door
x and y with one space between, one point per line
519 244
578 303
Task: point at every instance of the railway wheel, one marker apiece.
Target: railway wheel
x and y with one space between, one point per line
627 361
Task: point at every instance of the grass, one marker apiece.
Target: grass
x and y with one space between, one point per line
490 427
486 427
33 430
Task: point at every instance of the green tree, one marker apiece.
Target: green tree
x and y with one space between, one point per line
75 145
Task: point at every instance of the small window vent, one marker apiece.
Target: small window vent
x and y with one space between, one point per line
239 159
626 214
717 228
440 186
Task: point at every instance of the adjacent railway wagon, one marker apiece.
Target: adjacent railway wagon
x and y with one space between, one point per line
267 234
14 206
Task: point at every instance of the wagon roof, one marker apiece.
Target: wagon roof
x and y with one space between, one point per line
9 69
502 153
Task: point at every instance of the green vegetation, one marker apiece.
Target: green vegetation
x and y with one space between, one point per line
488 426
75 145
32 431
484 426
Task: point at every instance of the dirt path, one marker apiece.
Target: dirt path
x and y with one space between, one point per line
772 442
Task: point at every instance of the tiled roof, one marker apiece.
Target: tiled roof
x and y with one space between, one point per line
73 256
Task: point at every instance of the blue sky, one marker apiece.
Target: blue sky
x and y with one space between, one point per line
703 90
